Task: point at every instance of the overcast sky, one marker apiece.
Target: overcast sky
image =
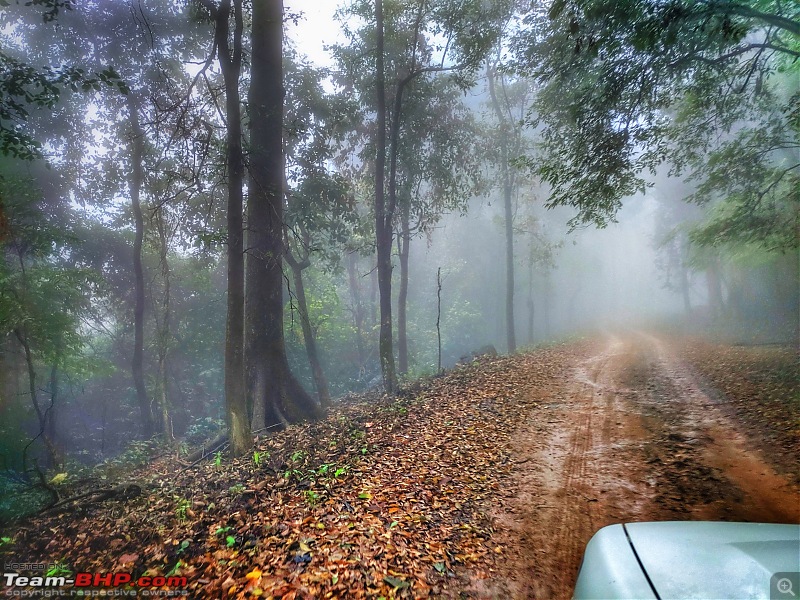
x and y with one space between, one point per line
316 29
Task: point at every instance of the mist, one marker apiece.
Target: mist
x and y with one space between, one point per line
201 243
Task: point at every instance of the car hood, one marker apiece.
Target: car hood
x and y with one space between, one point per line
714 560
687 560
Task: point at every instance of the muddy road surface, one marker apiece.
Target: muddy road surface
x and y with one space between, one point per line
635 435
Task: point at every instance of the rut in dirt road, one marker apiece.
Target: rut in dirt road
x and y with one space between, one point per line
632 437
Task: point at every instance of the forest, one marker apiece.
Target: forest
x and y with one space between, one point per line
278 242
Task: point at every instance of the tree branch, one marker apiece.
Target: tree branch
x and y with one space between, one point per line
749 12
738 51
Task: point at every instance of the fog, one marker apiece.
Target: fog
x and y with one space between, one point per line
598 278
129 174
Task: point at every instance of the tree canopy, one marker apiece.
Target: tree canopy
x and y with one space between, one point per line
704 86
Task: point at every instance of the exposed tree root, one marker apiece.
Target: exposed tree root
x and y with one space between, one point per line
207 449
124 491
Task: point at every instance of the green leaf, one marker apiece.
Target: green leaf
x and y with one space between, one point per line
59 479
396 582
174 569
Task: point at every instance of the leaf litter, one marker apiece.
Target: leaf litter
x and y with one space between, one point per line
386 497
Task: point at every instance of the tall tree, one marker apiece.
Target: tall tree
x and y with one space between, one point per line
438 171
468 30
136 140
319 215
309 337
145 70
273 391
383 213
96 47
509 114
230 60
42 296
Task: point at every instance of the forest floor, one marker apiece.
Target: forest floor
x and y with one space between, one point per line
483 483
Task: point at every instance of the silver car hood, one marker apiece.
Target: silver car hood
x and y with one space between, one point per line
687 560
714 560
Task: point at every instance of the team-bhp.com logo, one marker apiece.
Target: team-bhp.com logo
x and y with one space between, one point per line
93 584
93 580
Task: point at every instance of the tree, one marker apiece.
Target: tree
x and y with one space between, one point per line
407 53
509 101
99 149
42 298
148 80
135 122
136 139
539 257
319 215
383 213
230 60
438 172
273 391
751 181
630 85
169 141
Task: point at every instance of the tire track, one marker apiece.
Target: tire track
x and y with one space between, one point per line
577 485
630 437
761 493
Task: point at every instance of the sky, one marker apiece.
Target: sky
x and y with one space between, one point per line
316 29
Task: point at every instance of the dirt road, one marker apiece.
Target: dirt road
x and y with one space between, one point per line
634 436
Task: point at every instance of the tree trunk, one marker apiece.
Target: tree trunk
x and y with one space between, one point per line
40 414
509 215
547 292
405 237
508 192
136 182
357 309
164 332
6 375
373 298
383 216
318 375
439 319
683 251
269 380
236 406
714 283
687 302
358 312
531 305
51 414
402 300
